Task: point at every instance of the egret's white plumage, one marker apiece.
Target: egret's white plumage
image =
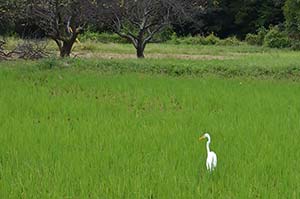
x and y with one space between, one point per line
211 161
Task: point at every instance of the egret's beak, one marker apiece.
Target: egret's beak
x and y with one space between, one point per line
201 138
70 30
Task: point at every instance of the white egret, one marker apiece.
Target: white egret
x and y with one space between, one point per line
211 161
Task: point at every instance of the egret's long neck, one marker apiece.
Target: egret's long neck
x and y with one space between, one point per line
207 145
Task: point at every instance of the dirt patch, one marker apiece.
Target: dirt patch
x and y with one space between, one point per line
152 56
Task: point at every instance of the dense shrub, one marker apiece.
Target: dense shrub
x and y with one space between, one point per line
276 39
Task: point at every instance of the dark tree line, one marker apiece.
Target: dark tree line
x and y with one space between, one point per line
223 17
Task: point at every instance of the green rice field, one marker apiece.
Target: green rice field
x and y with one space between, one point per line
70 129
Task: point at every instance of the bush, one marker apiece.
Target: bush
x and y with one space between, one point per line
257 39
252 39
212 39
276 39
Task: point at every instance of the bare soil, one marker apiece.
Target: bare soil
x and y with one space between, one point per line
153 56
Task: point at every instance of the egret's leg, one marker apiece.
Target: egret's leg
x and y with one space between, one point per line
207 165
215 161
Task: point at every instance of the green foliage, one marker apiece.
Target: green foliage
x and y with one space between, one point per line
292 16
102 37
276 39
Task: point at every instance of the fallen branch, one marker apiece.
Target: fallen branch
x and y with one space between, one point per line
27 50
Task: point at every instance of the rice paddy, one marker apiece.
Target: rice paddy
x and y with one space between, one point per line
81 133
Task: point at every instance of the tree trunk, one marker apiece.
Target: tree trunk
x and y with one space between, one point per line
140 53
140 50
66 48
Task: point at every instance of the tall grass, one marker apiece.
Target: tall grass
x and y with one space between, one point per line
69 133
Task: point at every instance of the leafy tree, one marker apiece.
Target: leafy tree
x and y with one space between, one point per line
251 15
292 16
226 18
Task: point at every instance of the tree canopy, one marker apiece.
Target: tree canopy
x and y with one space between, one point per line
292 15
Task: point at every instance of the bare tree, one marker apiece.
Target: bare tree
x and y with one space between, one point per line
62 20
139 20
